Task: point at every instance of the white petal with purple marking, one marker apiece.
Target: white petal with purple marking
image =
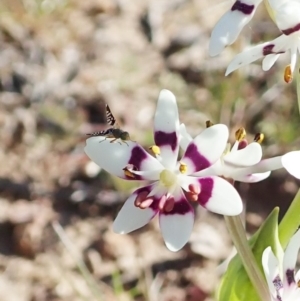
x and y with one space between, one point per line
113 157
290 257
230 25
291 162
131 217
286 13
270 266
247 156
219 196
206 148
166 128
280 44
176 226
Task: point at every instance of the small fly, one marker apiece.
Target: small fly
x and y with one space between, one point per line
113 132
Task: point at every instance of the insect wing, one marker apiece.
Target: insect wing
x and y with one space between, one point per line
110 117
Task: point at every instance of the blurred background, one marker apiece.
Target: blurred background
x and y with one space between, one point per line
61 61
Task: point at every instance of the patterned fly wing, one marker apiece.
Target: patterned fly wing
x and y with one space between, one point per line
110 117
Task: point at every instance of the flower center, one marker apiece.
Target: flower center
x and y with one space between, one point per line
167 178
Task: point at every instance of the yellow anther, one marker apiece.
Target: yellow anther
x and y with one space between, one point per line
128 173
298 283
288 76
208 124
240 134
155 149
183 167
259 137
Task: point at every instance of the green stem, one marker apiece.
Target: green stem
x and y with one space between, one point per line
235 227
298 83
290 222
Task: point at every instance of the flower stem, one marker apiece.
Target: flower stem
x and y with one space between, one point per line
298 84
290 222
236 229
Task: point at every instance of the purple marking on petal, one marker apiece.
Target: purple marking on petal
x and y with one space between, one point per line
269 50
200 162
291 30
206 187
163 138
138 154
182 207
277 283
290 276
243 7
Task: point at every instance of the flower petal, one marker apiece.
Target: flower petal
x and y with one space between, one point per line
269 61
166 127
185 138
230 25
286 14
246 57
291 162
247 156
270 266
176 225
277 46
113 157
290 258
219 196
131 217
253 178
206 148
263 166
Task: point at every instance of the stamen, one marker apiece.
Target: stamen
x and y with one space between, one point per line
129 173
183 167
155 149
288 76
242 144
240 134
146 203
191 196
141 197
195 189
208 124
259 137
169 205
162 203
298 283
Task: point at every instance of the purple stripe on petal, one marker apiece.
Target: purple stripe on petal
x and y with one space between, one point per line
243 7
291 30
206 187
182 207
269 50
290 276
138 154
163 138
199 161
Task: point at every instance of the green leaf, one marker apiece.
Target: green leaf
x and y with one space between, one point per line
236 285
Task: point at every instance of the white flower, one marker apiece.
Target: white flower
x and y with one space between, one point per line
286 16
173 183
243 162
281 278
231 24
